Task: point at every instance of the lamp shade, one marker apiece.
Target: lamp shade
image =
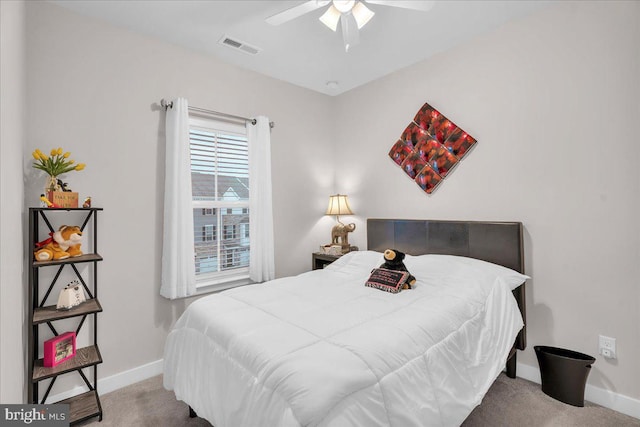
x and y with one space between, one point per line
338 205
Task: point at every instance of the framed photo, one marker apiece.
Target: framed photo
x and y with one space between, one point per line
443 161
413 135
60 348
413 164
425 117
400 151
441 128
428 179
459 143
428 148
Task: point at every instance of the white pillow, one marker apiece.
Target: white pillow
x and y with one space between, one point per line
425 265
432 265
365 260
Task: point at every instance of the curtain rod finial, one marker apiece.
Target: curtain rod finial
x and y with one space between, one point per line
165 104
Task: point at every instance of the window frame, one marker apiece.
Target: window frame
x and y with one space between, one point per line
219 280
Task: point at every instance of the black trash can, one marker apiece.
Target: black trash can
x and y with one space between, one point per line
564 373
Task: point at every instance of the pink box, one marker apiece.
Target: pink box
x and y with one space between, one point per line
60 348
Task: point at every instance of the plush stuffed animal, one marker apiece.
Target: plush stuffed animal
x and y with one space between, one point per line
49 250
393 260
62 244
69 238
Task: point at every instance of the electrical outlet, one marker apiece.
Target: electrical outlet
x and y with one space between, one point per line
607 347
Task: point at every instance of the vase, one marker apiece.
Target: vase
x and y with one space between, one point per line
52 184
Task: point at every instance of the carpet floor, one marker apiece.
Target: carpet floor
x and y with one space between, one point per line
509 403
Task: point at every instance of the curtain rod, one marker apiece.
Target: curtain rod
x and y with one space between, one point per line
169 104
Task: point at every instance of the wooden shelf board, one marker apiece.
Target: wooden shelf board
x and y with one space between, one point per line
83 406
72 260
86 356
51 313
64 209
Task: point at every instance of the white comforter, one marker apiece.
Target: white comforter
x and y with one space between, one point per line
321 349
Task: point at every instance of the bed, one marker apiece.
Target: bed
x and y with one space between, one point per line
321 349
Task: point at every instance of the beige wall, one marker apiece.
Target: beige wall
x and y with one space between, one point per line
553 102
12 137
547 98
93 89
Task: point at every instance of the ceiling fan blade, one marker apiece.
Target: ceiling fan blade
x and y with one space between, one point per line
296 11
350 32
423 6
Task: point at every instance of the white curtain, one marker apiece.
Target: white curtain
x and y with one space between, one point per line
178 267
261 253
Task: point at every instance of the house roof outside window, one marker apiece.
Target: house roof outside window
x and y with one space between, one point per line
229 187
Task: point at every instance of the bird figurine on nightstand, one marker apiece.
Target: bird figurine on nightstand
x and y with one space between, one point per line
87 202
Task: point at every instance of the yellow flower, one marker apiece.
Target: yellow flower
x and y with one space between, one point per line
57 164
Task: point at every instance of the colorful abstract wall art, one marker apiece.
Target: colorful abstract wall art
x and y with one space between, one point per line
430 147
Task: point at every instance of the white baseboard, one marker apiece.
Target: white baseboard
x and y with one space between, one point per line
115 382
132 376
607 398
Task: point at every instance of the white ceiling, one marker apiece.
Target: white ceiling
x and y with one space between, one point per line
303 51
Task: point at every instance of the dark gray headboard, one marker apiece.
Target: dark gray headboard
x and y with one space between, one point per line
496 242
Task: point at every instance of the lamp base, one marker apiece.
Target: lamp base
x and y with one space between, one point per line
340 235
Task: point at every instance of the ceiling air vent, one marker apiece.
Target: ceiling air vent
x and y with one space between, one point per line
239 45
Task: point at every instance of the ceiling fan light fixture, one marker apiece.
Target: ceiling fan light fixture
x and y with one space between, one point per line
331 18
344 6
362 14
351 14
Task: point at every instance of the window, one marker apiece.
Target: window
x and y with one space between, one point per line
244 230
229 260
208 233
220 187
229 232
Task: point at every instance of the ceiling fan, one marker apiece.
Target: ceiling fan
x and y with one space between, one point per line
351 14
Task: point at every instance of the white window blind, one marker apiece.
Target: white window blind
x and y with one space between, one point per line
220 187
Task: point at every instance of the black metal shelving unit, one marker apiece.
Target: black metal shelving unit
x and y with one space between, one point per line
85 405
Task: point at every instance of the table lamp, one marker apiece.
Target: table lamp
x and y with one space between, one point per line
339 205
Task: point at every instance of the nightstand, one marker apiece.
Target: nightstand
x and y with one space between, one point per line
320 260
